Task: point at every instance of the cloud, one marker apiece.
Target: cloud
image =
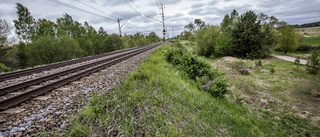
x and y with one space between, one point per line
178 13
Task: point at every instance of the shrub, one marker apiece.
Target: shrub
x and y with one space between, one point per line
259 63
297 62
238 64
314 63
304 47
3 68
272 70
207 78
46 50
219 87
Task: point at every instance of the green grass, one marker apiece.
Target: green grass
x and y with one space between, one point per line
285 89
160 100
312 40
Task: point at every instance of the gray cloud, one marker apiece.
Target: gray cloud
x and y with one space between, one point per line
177 12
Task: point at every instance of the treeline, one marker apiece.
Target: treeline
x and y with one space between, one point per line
308 25
245 36
43 41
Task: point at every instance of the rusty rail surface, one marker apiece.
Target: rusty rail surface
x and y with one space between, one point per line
9 102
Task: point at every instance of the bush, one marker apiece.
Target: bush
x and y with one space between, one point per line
272 70
46 50
314 63
258 63
3 68
238 65
304 47
207 78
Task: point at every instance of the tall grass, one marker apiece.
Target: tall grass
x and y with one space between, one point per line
160 100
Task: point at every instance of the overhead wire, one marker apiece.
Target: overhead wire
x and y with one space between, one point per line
108 9
135 10
95 8
79 9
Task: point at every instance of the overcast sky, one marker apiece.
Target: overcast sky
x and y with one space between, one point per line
178 13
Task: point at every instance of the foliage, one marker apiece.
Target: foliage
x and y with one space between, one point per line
46 50
3 68
5 29
259 63
288 39
21 55
84 39
247 38
207 40
304 47
272 70
25 25
208 78
314 63
297 62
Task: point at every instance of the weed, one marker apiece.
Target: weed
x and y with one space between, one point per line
272 70
258 63
240 66
297 62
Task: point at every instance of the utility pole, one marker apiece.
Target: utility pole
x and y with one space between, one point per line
164 31
120 36
172 32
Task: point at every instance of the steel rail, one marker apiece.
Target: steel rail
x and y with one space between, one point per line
17 74
21 85
9 102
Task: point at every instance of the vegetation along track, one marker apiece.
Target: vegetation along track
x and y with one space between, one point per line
9 102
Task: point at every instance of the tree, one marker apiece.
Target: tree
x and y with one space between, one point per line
288 39
190 27
4 33
247 37
46 50
45 28
102 32
199 23
207 40
25 25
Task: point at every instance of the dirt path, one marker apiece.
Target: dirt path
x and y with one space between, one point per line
290 59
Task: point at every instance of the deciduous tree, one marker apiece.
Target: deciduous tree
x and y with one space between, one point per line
288 39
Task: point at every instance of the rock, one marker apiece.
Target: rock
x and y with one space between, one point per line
48 120
22 129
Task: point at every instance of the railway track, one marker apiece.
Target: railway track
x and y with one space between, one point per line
62 78
17 74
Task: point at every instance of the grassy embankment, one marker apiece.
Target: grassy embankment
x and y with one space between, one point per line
161 100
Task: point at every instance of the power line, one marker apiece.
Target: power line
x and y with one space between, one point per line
108 9
79 9
135 10
96 9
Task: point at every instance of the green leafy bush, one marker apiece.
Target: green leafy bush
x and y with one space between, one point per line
4 68
46 50
207 78
314 63
304 47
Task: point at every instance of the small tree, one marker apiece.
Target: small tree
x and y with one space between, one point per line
314 63
288 39
247 37
25 25
297 62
